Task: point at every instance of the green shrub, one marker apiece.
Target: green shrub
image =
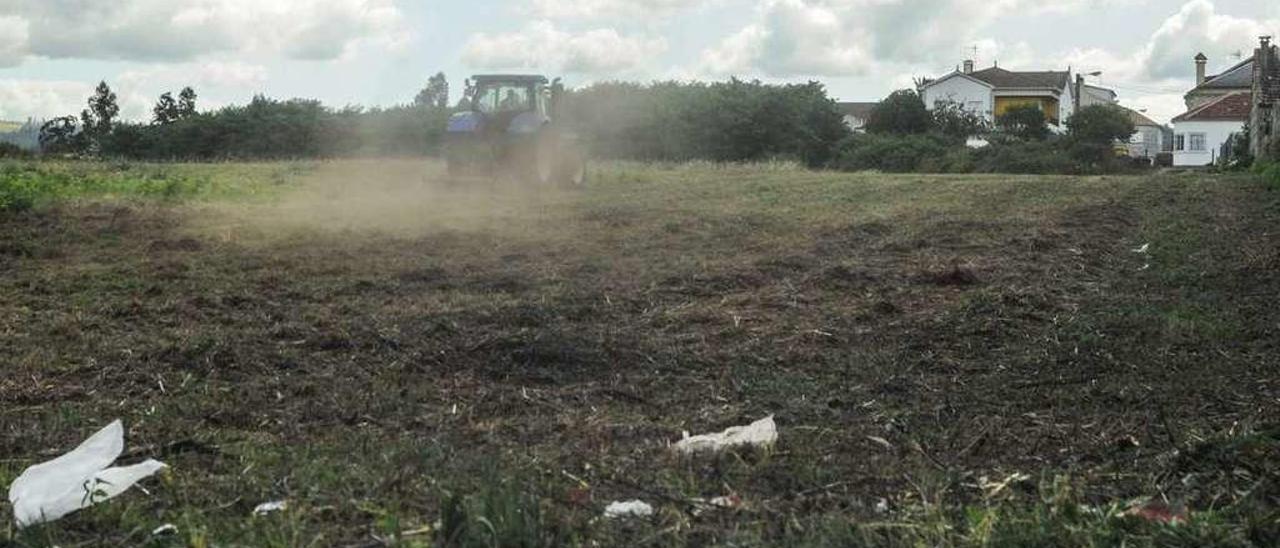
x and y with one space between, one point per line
1270 173
902 113
1026 122
501 514
1025 157
892 153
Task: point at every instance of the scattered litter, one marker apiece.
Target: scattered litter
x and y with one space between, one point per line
1145 266
1142 249
269 507
727 502
1159 512
883 442
76 480
994 488
762 433
166 529
631 508
882 506
975 142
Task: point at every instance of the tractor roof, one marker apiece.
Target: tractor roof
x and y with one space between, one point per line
512 78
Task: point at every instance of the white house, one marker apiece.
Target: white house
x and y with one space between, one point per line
993 91
855 114
1148 139
1217 108
1096 95
1199 133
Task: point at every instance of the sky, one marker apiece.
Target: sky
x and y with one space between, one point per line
381 52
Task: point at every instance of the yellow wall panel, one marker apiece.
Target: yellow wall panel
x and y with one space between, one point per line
1048 105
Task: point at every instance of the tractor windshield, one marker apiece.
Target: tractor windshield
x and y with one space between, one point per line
503 98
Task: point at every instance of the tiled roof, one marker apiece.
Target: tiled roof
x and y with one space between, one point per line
1238 76
1138 118
1001 78
1232 106
857 110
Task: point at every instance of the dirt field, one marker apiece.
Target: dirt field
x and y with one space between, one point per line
951 360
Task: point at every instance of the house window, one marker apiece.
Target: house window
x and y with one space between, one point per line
1196 142
1180 142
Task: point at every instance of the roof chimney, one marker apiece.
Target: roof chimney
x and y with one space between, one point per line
1200 62
968 66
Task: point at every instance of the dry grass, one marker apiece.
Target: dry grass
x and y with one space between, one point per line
381 343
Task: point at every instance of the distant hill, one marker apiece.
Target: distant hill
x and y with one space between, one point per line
25 135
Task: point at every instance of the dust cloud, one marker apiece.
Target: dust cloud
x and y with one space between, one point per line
400 198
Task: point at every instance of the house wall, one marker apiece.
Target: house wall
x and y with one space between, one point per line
1146 142
1066 107
1094 96
854 123
1216 132
965 91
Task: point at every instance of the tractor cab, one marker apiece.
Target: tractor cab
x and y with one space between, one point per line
510 124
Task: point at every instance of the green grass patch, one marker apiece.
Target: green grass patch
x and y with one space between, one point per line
28 184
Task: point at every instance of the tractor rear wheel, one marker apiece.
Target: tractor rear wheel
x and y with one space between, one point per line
572 168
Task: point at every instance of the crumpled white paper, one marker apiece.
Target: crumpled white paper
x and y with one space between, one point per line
631 508
269 507
79 479
762 433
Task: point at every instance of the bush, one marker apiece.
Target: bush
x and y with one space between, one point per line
723 122
1024 122
901 113
10 150
1100 124
1039 157
892 153
1270 173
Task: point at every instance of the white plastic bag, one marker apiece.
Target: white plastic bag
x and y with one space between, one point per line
762 433
631 508
79 479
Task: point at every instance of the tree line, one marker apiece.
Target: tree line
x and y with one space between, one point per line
729 121
265 128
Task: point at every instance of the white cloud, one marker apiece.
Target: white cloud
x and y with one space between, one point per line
136 90
41 99
1197 27
609 9
150 30
850 37
540 45
214 82
14 34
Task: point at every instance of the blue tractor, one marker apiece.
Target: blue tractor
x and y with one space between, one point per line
511 125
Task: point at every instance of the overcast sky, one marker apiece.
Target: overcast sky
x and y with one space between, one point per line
380 52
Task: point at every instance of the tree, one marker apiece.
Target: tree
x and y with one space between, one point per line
99 119
436 94
1100 124
166 110
60 135
1095 129
902 112
186 103
953 120
1025 122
